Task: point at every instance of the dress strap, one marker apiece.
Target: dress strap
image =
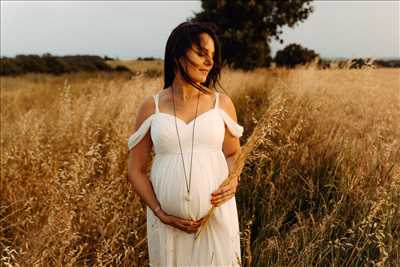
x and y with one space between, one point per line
156 98
235 128
138 135
216 99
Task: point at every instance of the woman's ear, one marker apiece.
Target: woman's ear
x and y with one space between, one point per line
181 61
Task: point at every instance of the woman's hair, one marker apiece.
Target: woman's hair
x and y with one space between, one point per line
180 40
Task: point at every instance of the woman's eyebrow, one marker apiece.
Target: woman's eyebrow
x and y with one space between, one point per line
203 48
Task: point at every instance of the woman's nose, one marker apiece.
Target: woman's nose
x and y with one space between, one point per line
208 61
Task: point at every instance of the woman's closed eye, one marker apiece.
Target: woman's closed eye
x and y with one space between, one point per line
202 54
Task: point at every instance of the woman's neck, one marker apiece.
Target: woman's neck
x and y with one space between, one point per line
183 90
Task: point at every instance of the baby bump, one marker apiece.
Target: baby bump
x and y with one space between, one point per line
175 200
171 188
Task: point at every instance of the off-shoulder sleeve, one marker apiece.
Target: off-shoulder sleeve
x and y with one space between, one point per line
140 133
234 127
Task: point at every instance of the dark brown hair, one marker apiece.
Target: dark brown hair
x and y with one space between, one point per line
180 40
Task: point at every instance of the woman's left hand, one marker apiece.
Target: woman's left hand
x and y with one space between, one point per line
225 192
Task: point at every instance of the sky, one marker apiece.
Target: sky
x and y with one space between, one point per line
131 29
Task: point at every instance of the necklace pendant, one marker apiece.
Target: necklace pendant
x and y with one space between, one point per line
187 197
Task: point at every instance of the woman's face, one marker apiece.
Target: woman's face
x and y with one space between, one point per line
200 59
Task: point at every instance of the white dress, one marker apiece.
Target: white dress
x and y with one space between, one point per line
219 242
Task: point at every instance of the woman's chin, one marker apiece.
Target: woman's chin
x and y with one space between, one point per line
200 79
203 79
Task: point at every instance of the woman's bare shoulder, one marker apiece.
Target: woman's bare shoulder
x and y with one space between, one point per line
145 110
226 103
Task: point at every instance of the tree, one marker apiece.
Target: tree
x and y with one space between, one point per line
246 27
294 54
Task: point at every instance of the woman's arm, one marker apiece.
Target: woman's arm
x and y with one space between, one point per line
231 159
231 149
138 160
231 144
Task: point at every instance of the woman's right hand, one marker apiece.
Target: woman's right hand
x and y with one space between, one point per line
189 226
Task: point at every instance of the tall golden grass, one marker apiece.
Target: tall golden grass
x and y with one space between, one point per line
320 189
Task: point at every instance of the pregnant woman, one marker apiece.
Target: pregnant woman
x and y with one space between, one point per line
194 132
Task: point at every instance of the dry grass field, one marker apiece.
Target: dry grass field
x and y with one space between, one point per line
321 188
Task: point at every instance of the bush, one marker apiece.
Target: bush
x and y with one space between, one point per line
54 65
121 68
146 58
293 55
47 63
108 58
9 67
31 63
389 63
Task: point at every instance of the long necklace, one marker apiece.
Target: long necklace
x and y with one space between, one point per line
187 197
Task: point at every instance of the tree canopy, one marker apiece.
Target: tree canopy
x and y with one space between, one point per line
246 27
